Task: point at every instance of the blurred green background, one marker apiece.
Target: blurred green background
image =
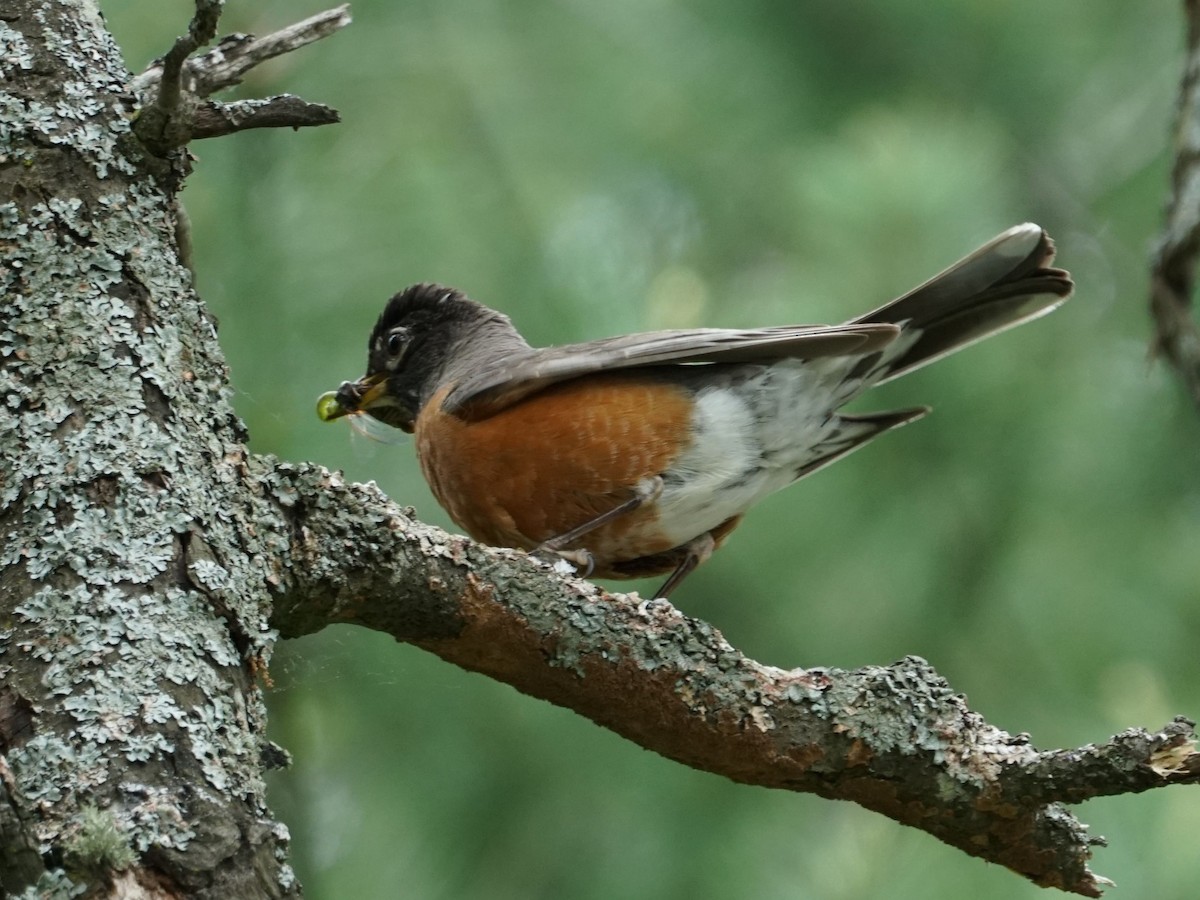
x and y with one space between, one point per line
598 167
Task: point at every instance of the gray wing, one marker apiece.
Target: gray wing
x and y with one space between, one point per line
499 386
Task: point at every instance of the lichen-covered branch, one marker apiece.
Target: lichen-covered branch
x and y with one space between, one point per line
1173 268
896 739
173 88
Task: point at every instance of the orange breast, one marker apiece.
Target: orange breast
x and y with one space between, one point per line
556 460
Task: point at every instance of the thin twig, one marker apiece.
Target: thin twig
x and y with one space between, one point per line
214 119
227 64
201 30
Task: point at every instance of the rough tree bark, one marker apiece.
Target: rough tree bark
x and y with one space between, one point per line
1173 268
148 562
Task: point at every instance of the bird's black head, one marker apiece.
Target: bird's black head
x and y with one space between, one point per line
408 351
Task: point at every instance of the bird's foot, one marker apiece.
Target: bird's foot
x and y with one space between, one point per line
580 560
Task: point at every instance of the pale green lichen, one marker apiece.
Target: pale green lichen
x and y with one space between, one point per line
90 117
15 52
54 884
98 846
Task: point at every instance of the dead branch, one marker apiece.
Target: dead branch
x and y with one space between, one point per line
284 111
227 64
174 86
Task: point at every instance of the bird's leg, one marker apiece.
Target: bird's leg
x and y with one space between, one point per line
645 491
697 551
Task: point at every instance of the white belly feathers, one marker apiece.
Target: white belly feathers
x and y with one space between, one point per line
750 436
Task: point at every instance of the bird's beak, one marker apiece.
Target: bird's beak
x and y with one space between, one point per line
371 390
367 395
352 397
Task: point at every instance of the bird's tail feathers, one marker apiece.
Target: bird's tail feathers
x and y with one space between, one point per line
854 431
1006 282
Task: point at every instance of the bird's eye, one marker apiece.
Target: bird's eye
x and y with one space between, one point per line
395 343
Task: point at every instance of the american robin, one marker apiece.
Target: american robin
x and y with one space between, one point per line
637 455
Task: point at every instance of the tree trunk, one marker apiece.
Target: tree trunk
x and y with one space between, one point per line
133 550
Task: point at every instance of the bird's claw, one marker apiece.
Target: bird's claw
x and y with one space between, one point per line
580 560
643 608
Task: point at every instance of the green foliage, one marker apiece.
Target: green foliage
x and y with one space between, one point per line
598 167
